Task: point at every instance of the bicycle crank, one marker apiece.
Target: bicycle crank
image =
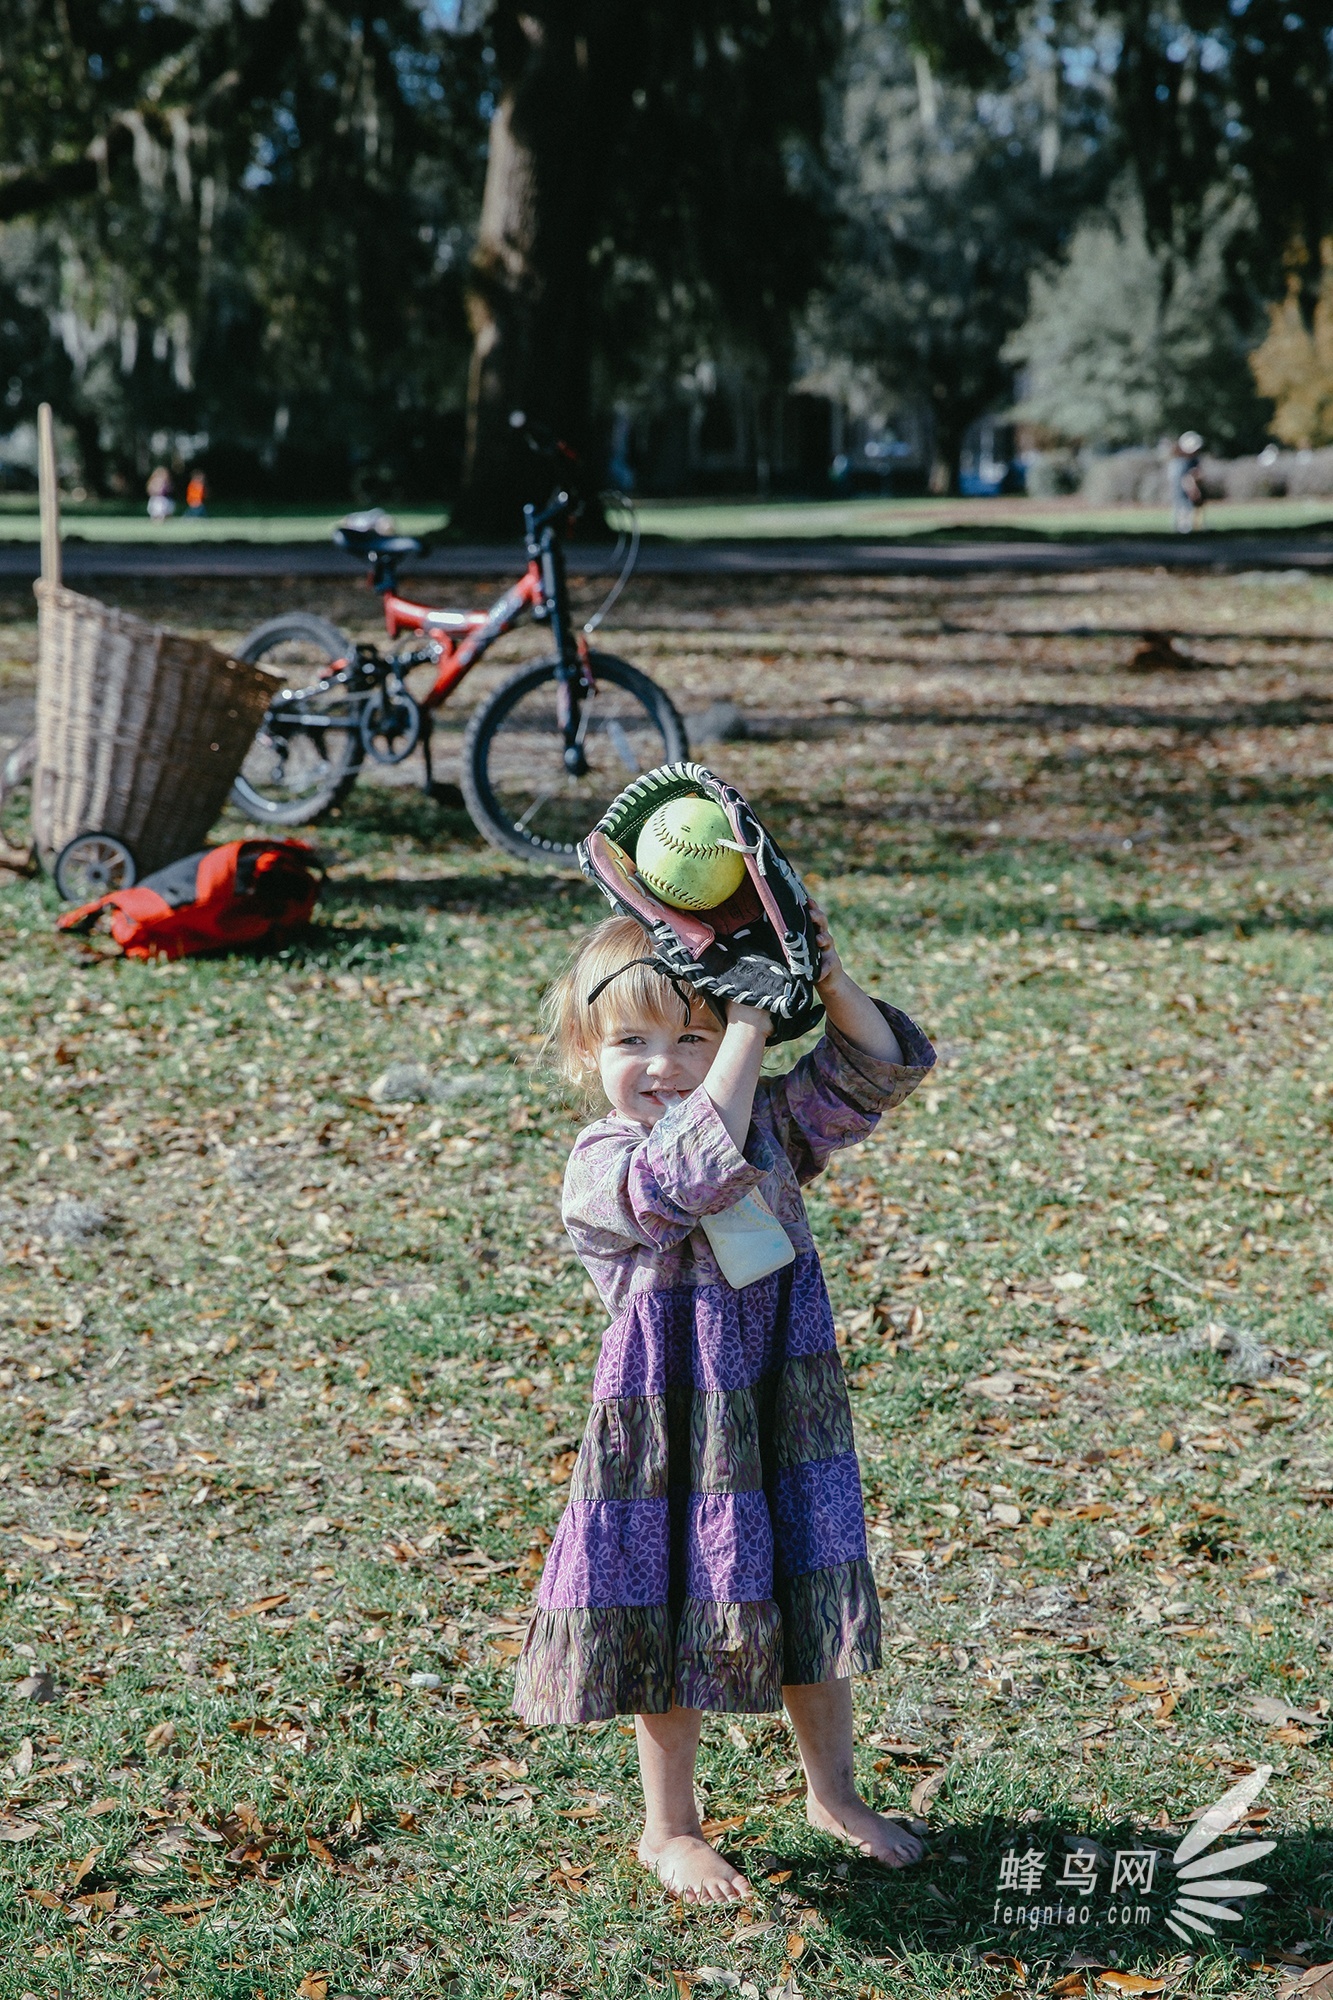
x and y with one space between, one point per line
390 725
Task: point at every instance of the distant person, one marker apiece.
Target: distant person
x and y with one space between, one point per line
1186 485
161 501
196 494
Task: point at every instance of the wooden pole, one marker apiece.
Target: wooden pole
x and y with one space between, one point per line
48 490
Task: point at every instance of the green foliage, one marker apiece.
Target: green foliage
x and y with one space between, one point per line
1125 343
271 253
1209 97
709 216
275 251
947 197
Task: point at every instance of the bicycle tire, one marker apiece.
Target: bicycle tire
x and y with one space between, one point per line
571 806
302 629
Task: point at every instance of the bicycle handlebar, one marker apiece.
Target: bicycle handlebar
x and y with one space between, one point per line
539 437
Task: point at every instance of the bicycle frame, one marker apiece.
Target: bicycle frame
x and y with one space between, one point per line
460 638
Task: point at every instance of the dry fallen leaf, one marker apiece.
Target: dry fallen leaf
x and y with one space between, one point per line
20 1764
713 1827
1130 1982
19 1829
100 1807
143 1861
188 1909
1072 1983
925 1789
1001 1961
37 1686
79 1869
159 1738
1268 1708
509 1767
795 1944
259 1605
997 1386
1315 1983
314 1986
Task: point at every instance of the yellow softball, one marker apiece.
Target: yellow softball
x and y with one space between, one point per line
680 856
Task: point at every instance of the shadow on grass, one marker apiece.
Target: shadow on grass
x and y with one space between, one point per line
464 894
1064 717
954 1902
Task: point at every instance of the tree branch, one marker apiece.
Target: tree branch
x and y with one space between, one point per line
63 180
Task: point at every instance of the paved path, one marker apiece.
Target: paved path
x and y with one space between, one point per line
1310 551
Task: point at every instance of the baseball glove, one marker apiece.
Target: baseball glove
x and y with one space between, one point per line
758 947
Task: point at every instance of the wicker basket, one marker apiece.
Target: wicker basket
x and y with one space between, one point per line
140 732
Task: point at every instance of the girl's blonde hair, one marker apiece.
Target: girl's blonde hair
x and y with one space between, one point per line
576 1024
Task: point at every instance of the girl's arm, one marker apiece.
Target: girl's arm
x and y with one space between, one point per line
871 1058
734 1074
848 1006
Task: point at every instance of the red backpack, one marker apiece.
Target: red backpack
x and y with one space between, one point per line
230 895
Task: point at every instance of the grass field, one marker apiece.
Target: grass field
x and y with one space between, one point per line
294 1377
690 520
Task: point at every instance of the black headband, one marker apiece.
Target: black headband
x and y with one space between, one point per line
658 965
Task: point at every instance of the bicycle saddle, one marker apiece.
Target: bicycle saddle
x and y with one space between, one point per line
368 542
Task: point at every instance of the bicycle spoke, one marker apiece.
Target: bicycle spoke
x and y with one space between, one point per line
537 804
530 792
624 748
303 753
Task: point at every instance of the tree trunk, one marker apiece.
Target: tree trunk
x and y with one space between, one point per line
528 299
951 424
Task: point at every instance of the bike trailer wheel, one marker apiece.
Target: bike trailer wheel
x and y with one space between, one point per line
519 791
92 865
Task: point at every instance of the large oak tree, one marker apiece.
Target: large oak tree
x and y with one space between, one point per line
650 182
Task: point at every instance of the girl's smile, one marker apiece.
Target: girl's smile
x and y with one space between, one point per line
647 1067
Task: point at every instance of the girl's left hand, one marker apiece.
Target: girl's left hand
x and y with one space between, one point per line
830 965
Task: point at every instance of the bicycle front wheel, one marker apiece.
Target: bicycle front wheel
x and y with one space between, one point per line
308 751
518 791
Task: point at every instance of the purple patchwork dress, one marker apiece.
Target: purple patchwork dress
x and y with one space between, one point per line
714 1544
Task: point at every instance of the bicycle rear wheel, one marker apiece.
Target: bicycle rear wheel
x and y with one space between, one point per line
305 756
518 791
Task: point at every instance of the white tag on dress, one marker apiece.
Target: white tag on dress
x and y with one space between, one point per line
747 1240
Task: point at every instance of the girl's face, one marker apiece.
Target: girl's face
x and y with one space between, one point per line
646 1068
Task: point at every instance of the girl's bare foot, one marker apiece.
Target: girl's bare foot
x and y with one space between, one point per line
887 1841
692 1870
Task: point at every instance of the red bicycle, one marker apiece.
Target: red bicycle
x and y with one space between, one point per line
542 757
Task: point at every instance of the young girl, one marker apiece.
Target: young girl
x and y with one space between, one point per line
713 1552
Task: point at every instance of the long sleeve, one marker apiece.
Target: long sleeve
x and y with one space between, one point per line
628 1189
837 1094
